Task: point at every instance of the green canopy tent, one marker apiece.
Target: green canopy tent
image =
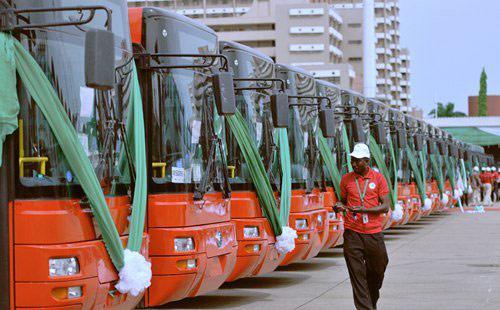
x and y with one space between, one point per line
473 135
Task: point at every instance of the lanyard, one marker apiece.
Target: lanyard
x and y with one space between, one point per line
362 195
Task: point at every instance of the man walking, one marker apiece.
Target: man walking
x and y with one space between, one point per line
486 181
476 187
365 197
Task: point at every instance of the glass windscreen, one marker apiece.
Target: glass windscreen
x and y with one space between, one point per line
335 144
302 129
254 106
184 124
99 117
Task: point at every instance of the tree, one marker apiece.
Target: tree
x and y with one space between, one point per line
447 110
482 107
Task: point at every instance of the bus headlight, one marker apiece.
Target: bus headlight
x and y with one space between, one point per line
320 220
183 244
59 267
74 292
331 216
301 224
251 232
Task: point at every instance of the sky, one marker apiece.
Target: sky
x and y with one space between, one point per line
450 41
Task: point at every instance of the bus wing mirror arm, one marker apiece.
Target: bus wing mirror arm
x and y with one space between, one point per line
100 59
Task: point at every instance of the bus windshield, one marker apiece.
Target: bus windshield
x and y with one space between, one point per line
333 143
184 122
254 107
99 117
302 128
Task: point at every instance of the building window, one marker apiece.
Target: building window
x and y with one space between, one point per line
354 59
354 25
357 42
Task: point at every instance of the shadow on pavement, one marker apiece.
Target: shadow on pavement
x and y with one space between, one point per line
310 265
238 299
329 254
272 281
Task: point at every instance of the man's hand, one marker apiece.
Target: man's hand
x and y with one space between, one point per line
356 209
339 207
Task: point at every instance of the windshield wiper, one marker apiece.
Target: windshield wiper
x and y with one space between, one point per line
215 144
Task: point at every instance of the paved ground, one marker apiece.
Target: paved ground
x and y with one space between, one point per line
447 261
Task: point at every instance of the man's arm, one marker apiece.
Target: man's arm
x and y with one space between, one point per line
381 208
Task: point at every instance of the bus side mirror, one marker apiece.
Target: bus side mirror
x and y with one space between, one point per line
402 139
100 59
327 122
432 148
280 110
468 155
358 133
225 99
442 148
419 142
380 133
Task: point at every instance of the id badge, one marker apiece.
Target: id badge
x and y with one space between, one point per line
365 218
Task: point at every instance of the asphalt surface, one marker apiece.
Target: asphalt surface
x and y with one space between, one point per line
445 261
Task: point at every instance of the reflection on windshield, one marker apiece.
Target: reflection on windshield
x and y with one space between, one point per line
184 125
254 107
303 127
99 117
180 137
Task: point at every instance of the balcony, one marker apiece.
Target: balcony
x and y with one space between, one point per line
191 12
343 6
382 20
396 75
335 16
336 51
405 57
212 11
404 83
307 30
395 60
395 46
381 51
306 12
325 73
383 35
405 70
336 34
306 47
384 66
405 96
381 81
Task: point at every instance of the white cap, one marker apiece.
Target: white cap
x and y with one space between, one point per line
488 169
483 168
361 150
493 169
476 168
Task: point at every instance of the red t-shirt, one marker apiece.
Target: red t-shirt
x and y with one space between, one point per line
494 177
486 177
376 188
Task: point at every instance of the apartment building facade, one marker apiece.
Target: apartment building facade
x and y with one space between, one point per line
392 75
292 32
324 37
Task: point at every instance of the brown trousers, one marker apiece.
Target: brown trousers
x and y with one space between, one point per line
366 258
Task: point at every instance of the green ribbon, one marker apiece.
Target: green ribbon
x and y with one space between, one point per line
416 172
378 156
42 92
286 177
345 142
329 161
257 170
